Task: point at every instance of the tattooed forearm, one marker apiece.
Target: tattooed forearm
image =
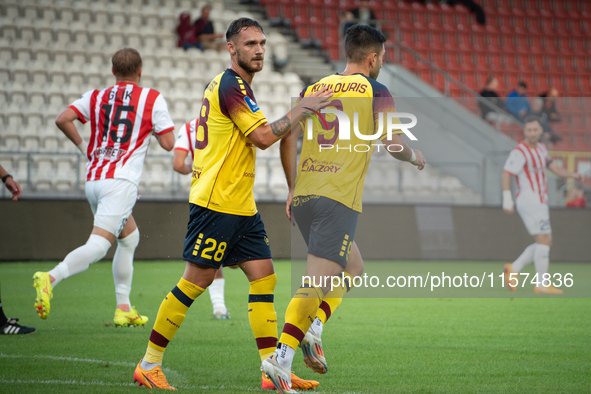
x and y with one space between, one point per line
281 126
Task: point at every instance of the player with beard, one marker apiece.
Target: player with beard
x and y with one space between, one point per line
326 204
224 227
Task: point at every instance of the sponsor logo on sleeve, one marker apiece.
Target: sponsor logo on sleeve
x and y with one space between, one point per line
251 104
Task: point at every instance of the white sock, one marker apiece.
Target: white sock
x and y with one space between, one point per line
216 293
148 366
78 260
284 355
527 257
542 260
123 266
317 326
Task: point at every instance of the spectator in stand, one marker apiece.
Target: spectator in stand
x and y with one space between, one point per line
186 32
537 110
488 113
517 103
576 197
363 14
472 6
347 16
550 105
206 37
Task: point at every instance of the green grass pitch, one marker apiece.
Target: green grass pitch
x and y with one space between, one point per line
533 345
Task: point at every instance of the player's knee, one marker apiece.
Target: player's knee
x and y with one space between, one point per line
544 239
131 241
99 244
265 285
203 282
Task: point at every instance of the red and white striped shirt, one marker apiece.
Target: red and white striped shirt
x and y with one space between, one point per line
122 119
528 165
186 138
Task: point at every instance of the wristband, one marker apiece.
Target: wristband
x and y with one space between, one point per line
5 177
83 146
413 157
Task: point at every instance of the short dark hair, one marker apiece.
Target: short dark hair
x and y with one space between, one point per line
239 24
126 62
361 40
531 118
522 84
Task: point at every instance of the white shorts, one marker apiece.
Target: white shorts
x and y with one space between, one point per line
111 201
536 217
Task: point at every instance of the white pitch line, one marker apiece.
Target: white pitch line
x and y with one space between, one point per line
72 382
168 371
74 359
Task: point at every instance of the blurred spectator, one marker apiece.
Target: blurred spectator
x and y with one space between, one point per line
517 103
550 105
347 16
200 34
490 93
363 15
537 110
575 197
186 32
472 6
206 37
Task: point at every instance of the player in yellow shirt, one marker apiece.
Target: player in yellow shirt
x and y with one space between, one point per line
327 196
224 227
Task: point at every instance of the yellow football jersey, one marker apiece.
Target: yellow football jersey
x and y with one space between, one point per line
224 164
338 172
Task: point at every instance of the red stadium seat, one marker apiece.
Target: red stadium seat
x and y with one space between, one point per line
535 62
550 63
333 52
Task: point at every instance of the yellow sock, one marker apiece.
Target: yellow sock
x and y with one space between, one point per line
170 317
334 298
300 314
262 316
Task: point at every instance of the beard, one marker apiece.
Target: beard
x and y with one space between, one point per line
375 72
244 64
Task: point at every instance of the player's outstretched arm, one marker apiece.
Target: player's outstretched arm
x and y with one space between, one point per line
12 185
508 204
265 136
178 162
563 172
65 122
398 148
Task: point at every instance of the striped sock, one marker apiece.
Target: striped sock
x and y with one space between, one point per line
262 316
300 314
170 317
334 298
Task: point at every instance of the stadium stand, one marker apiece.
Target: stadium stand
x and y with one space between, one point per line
52 51
545 42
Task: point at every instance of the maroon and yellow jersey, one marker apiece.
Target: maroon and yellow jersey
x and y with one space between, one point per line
224 162
331 165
